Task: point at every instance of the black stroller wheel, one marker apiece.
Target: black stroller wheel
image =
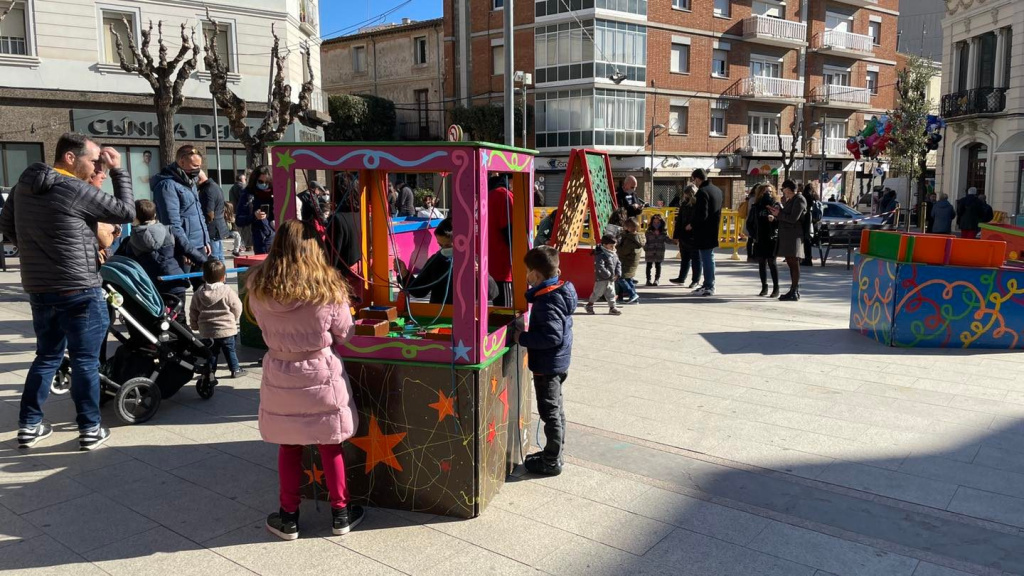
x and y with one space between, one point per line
138 400
61 382
205 386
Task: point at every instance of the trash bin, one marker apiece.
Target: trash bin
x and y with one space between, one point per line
250 333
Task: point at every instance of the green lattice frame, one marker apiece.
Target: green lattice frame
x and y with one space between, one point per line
597 175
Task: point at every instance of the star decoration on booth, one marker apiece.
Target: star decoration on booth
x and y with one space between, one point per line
379 447
445 406
503 398
491 432
316 475
462 351
285 160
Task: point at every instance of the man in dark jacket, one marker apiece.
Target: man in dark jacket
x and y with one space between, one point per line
707 221
211 197
235 196
178 206
51 215
549 347
406 201
628 198
969 212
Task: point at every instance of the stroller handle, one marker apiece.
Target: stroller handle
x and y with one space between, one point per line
197 274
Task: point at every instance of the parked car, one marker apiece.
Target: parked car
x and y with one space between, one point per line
835 213
10 250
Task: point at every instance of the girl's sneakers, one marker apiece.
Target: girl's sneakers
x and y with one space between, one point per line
589 308
284 525
343 520
615 312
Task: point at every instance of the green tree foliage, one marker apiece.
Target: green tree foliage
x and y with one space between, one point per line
486 123
361 118
908 144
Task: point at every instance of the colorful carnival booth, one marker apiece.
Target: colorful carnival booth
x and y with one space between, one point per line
443 395
935 291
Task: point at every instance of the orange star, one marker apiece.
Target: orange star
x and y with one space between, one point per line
315 475
445 406
494 385
491 433
379 447
503 398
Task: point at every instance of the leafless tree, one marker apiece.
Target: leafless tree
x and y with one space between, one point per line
167 78
281 113
789 156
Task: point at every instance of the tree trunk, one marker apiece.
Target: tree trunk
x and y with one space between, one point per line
256 156
165 124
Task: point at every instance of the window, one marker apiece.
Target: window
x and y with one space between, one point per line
420 45
498 5
837 22
875 31
764 125
963 59
769 9
359 59
13 32
720 63
223 170
986 60
873 82
115 22
565 52
678 119
765 67
15 158
681 4
680 59
836 77
567 118
717 123
722 8
422 109
638 7
142 163
223 38
498 60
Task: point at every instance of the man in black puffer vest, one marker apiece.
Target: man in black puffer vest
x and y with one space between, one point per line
51 215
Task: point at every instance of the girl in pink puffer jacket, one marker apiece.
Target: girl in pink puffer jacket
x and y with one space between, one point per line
301 305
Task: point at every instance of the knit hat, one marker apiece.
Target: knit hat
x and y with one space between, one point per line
972 191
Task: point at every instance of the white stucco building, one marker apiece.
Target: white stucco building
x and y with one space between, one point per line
59 71
983 101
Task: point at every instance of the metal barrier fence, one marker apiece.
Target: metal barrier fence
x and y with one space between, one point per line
731 235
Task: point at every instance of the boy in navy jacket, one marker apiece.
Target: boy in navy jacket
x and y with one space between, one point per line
549 343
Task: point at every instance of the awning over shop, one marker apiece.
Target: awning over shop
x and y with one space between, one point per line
1012 145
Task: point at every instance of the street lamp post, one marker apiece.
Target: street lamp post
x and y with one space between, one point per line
510 97
655 130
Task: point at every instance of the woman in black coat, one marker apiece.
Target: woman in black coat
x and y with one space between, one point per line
791 235
765 234
689 255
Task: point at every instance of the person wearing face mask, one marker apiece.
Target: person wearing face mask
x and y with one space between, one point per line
176 194
256 209
431 281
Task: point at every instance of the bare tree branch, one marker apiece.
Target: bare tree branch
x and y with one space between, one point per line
8 10
281 112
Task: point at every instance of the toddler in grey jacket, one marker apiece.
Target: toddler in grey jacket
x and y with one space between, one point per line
607 269
215 312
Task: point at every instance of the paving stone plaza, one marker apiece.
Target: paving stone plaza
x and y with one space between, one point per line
730 435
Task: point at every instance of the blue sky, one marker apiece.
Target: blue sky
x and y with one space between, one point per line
342 17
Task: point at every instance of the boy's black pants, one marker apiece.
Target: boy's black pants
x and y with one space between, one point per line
551 408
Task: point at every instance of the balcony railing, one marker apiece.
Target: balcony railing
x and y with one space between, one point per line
418 131
766 26
846 41
976 101
767 142
766 87
833 147
318 101
835 94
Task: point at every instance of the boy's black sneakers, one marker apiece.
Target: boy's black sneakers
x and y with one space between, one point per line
93 439
284 525
345 519
29 437
535 464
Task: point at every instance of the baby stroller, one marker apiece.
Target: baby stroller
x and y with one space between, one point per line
158 354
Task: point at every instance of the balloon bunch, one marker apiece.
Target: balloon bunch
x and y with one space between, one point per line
873 140
933 130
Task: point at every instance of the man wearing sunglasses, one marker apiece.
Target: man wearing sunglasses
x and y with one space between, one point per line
176 194
52 216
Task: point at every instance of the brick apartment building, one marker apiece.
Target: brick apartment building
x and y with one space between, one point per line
723 78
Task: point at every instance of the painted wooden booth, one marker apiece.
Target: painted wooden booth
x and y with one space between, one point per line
443 396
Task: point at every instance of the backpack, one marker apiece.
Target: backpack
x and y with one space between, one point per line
817 212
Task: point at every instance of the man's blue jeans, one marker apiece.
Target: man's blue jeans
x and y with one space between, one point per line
217 249
707 260
77 322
